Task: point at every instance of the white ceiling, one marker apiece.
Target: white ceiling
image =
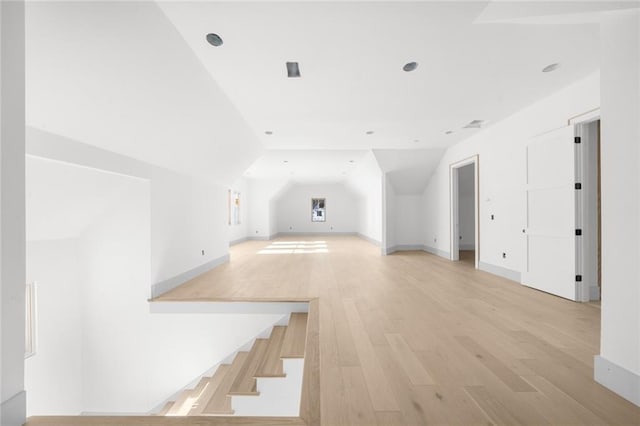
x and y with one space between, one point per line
351 57
63 200
118 76
138 78
306 166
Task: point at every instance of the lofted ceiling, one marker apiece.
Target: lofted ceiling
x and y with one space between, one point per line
351 57
139 78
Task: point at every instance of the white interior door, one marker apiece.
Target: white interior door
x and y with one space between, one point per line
551 217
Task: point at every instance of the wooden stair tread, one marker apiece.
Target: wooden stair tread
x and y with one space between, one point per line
179 407
165 409
295 336
245 383
271 364
220 402
205 395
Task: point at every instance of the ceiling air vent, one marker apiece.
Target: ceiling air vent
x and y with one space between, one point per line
475 124
293 70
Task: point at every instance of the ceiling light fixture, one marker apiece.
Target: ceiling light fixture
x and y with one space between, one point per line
416 140
293 70
351 161
214 39
448 132
369 132
285 161
268 132
410 66
475 124
551 67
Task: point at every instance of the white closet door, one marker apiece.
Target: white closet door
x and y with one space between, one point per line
551 224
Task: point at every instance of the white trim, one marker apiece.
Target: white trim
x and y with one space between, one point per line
311 234
616 378
164 286
585 117
454 243
436 251
509 274
238 241
371 240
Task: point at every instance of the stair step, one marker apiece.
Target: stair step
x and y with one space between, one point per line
220 402
181 405
271 364
295 336
210 387
165 409
245 382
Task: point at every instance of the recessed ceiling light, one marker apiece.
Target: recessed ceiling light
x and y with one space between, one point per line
268 132
293 70
214 39
285 161
369 132
351 161
551 67
475 124
410 66
416 140
448 132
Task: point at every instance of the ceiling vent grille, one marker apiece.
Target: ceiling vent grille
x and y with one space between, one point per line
293 70
475 124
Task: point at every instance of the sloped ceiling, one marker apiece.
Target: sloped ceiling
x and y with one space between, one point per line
118 75
409 171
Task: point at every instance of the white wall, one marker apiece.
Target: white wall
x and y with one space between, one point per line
262 198
389 240
188 216
12 228
501 149
293 209
241 231
100 349
466 207
619 366
409 221
366 182
53 376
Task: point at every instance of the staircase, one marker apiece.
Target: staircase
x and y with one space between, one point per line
264 381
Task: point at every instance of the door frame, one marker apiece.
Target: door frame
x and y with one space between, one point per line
454 242
590 238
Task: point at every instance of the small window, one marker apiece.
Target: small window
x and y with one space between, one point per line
30 320
318 210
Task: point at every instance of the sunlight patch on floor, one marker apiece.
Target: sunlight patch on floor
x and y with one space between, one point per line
295 247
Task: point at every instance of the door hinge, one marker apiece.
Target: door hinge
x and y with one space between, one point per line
578 278
577 139
578 186
578 232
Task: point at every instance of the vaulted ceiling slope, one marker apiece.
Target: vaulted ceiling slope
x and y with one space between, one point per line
117 75
351 56
408 171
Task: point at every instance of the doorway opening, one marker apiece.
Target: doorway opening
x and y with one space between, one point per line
465 244
588 217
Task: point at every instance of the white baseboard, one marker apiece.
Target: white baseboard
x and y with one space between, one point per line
311 234
403 247
371 240
166 285
13 411
618 379
509 274
436 251
238 241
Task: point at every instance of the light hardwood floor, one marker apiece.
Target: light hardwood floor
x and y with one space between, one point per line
412 338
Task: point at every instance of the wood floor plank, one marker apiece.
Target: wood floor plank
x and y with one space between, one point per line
377 383
414 369
512 380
